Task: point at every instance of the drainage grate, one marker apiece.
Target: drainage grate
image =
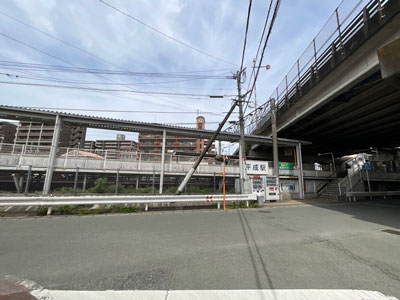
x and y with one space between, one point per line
264 211
391 231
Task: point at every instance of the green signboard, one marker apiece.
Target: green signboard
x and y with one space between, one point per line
286 166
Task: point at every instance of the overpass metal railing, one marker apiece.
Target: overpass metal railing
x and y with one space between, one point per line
330 42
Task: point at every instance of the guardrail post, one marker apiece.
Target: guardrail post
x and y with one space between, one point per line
366 21
140 160
117 182
162 161
339 31
298 70
218 204
380 9
76 180
137 181
28 179
146 207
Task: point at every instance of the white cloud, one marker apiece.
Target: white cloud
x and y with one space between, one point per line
216 27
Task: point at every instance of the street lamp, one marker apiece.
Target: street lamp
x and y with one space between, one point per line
333 159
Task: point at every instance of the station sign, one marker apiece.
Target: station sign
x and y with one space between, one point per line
256 167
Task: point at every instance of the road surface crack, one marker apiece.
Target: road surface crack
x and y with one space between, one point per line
338 246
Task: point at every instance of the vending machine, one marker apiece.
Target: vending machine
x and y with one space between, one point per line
257 184
272 192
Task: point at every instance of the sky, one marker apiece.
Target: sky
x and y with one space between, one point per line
122 44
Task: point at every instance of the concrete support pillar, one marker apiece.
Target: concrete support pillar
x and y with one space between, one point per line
17 182
28 179
162 161
76 180
117 182
52 156
84 182
154 182
300 170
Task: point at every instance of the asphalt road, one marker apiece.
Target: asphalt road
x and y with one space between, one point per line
329 246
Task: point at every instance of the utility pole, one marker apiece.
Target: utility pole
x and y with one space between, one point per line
255 94
242 144
274 138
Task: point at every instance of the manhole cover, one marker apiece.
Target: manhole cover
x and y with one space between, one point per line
391 231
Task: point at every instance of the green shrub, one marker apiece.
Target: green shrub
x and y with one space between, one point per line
123 209
254 204
242 204
85 211
66 190
64 209
41 211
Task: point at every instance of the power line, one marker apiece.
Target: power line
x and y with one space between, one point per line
76 69
245 35
164 34
197 96
271 25
262 37
258 50
55 79
126 111
75 47
112 90
48 54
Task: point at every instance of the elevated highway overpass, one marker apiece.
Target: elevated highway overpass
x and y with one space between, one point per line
348 97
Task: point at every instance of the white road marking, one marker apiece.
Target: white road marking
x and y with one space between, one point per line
214 295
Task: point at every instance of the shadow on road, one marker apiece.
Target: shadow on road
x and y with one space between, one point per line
256 258
384 212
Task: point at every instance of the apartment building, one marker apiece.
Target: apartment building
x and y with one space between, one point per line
115 148
7 132
152 143
41 134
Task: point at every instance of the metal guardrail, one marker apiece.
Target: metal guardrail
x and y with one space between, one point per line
384 194
367 194
330 47
107 199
